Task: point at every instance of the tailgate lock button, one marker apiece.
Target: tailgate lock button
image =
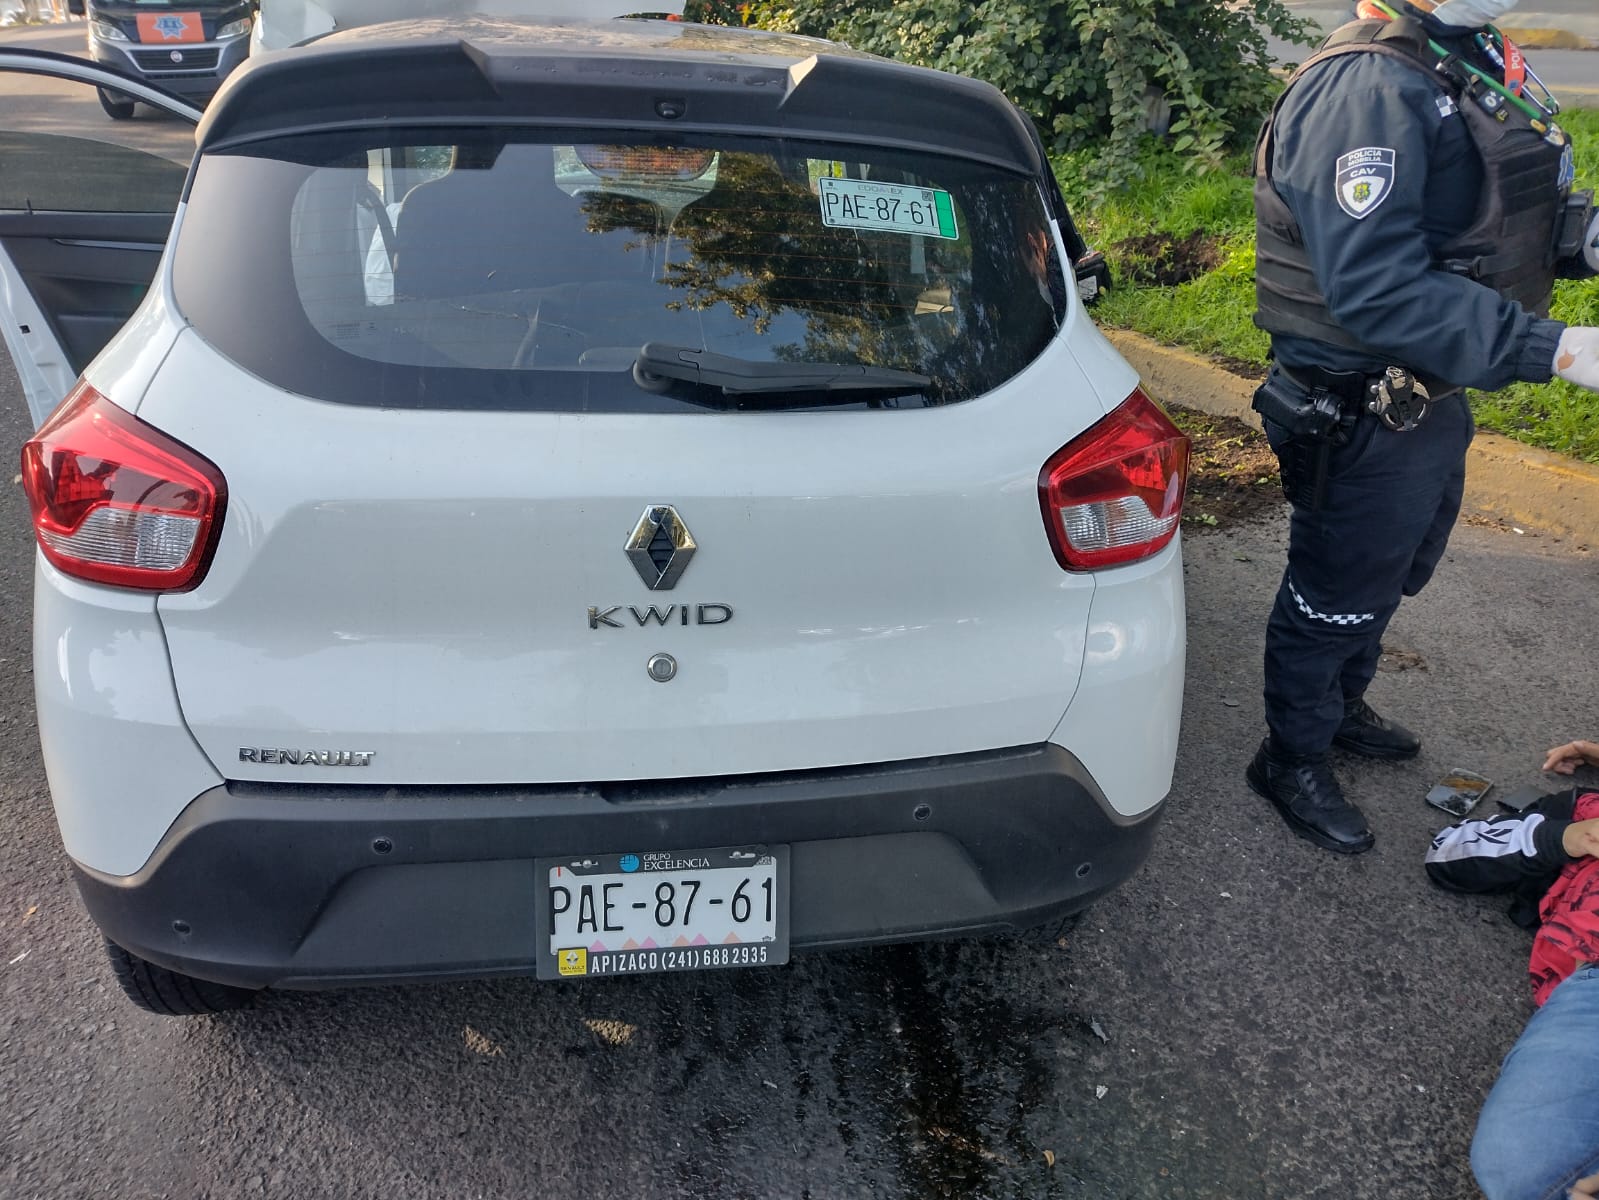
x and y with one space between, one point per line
662 667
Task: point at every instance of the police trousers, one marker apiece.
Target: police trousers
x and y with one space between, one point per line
1390 503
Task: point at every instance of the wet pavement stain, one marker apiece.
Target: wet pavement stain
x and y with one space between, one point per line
979 1079
986 1081
943 1151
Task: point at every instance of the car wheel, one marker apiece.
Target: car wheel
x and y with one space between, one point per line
169 994
117 106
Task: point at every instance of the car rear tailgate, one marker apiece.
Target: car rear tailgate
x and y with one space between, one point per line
420 589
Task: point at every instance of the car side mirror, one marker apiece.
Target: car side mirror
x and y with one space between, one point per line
1093 276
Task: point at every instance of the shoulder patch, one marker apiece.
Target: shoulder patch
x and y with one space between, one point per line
1447 106
1364 180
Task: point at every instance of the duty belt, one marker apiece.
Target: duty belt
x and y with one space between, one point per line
1395 396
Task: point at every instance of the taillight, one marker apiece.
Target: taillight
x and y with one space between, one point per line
1115 494
117 501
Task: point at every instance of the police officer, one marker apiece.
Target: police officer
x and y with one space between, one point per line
1414 207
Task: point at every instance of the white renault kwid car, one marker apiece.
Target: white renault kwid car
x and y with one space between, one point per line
584 498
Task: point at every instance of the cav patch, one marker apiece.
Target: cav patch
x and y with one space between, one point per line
1365 178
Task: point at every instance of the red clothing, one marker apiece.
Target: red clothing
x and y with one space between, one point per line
1570 910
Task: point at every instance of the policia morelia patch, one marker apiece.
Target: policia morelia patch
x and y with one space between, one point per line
1365 178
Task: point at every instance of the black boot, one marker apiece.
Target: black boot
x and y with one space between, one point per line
1303 790
1365 733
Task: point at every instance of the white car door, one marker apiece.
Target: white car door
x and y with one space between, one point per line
86 204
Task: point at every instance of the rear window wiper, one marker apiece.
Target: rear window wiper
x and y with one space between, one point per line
657 363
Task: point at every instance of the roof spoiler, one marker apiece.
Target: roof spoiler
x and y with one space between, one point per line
451 82
447 81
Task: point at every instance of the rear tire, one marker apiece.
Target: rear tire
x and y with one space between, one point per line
117 106
168 993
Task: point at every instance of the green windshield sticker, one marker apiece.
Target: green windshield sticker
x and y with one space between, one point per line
899 208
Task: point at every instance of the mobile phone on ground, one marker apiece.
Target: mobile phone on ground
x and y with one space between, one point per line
1522 798
1457 793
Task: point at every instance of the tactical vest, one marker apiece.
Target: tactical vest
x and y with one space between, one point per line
1511 246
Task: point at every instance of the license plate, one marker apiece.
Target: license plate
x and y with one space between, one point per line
894 207
662 910
159 29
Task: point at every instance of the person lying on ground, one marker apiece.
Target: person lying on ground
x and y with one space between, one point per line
1538 1133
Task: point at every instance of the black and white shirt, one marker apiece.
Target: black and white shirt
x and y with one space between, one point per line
1520 853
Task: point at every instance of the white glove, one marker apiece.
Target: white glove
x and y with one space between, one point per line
1577 358
1590 246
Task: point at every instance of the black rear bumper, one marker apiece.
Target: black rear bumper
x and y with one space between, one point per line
298 886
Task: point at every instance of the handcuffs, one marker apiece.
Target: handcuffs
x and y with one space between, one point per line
1398 399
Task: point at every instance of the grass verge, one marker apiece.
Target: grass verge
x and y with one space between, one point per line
1212 312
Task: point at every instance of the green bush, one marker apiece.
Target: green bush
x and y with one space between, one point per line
1092 73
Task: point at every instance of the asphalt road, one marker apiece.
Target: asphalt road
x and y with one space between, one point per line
1249 1017
38 104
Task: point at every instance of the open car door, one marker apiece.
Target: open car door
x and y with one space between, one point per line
86 205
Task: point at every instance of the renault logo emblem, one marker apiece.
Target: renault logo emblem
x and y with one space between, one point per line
660 547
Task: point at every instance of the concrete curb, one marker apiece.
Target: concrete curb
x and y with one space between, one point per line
1550 39
1504 478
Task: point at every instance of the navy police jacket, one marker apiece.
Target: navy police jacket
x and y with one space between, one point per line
1377 267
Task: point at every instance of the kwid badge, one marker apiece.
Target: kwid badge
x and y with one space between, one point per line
1365 177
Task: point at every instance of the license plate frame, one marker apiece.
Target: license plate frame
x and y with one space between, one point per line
565 949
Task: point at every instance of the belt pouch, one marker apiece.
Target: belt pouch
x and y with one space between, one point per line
1571 230
1314 414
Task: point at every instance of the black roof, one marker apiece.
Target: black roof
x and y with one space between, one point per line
622 74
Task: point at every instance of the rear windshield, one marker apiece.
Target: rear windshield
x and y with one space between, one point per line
510 272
